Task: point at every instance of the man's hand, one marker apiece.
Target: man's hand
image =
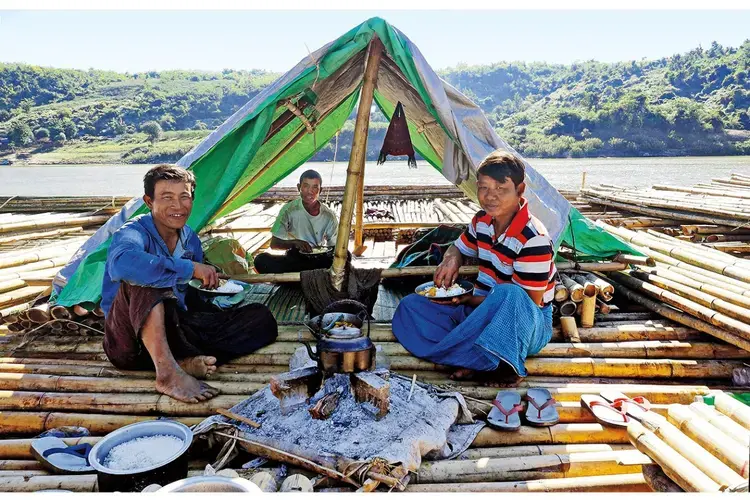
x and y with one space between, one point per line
447 272
303 246
207 274
468 300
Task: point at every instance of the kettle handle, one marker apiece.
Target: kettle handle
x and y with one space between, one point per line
313 356
349 303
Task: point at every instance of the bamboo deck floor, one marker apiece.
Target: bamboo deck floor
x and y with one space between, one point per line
63 378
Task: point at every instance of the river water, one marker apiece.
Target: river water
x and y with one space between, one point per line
126 180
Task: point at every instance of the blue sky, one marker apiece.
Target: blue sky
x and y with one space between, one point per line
275 40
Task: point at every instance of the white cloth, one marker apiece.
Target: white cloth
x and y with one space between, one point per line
295 223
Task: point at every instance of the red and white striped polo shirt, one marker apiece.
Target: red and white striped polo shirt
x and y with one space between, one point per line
523 254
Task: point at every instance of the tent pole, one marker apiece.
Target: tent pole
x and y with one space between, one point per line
358 228
356 162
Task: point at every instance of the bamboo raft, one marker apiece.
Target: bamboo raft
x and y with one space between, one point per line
670 327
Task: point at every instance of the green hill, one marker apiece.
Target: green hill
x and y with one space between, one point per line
695 103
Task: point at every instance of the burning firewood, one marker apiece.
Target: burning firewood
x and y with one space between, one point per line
325 407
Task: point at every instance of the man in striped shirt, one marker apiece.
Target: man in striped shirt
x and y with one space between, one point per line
509 315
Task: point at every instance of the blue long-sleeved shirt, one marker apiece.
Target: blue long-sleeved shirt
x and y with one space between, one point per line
138 255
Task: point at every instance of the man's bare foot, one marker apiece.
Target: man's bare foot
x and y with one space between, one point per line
199 366
463 374
183 387
510 381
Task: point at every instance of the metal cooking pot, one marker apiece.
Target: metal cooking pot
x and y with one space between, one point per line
342 350
134 480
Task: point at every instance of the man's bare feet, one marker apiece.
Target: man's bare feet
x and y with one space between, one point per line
199 366
463 374
183 387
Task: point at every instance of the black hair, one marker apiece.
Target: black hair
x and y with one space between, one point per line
501 165
167 172
310 174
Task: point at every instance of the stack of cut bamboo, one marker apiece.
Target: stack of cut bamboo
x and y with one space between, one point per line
581 295
716 214
698 447
707 289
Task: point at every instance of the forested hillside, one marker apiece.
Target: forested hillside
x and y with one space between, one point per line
696 103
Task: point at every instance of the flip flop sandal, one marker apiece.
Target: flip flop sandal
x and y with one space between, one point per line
58 457
505 415
634 407
541 411
604 412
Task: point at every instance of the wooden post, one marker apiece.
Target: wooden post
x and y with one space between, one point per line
356 161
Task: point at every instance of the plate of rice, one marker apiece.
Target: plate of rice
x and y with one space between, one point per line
445 294
226 287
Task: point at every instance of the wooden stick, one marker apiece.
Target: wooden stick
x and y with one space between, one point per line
356 161
239 418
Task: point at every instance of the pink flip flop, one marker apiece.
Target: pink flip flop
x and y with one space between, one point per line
604 412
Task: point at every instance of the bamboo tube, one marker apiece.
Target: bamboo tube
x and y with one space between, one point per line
21 295
18 423
31 257
722 422
21 271
561 293
54 223
624 367
39 314
59 312
588 304
569 329
568 309
687 306
356 161
60 383
575 290
14 238
532 467
12 284
80 311
690 229
732 409
714 468
556 434
709 437
583 280
543 449
360 203
703 298
613 483
6 465
78 483
604 289
674 465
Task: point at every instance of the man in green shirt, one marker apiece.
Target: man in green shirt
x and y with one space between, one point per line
303 225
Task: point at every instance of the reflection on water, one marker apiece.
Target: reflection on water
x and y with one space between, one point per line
111 180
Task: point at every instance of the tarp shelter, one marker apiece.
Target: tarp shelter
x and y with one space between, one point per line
263 142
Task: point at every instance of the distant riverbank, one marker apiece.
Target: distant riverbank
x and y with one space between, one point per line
126 180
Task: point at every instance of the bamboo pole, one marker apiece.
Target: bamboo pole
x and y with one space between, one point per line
20 449
561 293
532 467
12 284
568 309
569 329
709 437
542 449
78 483
714 468
732 310
556 434
356 161
18 423
732 408
675 466
54 223
20 296
722 422
575 290
16 237
679 317
725 292
358 229
588 287
613 483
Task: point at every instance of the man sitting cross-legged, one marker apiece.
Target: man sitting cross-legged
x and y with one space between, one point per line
151 322
302 225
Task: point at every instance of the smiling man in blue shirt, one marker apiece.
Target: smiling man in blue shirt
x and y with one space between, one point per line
151 320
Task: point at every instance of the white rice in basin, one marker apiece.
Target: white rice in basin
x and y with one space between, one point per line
143 452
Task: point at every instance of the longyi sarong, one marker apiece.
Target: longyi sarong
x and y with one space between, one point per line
224 334
507 327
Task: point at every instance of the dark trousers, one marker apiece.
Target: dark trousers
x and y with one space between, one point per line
224 334
291 262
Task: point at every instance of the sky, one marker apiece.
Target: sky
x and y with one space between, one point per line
276 40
